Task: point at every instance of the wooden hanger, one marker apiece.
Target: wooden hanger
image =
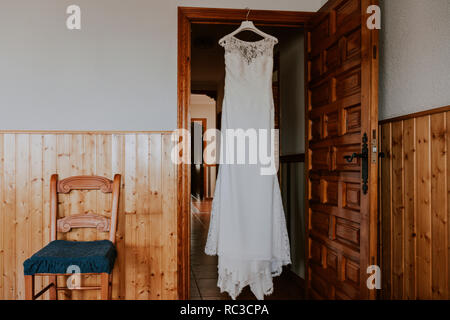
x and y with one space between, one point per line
248 26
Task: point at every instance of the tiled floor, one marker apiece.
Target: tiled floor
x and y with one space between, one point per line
204 267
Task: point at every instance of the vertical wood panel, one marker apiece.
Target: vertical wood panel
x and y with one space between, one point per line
447 116
104 168
424 207
49 165
397 209
146 266
169 230
130 214
23 225
155 174
35 198
89 205
409 238
76 204
439 206
143 222
103 163
386 211
417 167
118 165
2 218
63 168
9 206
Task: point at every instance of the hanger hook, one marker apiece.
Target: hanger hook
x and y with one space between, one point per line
248 13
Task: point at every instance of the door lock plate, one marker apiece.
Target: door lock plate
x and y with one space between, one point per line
374 151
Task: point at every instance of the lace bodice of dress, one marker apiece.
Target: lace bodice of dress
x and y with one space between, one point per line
249 50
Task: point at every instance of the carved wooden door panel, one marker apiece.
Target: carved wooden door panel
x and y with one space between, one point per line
342 113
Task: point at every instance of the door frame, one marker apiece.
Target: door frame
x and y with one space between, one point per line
186 17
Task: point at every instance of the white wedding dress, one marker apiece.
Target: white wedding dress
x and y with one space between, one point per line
248 227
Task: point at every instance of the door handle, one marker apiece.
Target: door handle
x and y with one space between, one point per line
364 156
355 155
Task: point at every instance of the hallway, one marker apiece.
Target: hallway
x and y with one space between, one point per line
204 267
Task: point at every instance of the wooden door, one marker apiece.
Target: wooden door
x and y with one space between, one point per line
341 110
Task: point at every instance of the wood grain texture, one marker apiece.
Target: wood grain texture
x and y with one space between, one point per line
439 218
410 210
414 176
341 107
397 209
423 208
146 237
385 247
236 16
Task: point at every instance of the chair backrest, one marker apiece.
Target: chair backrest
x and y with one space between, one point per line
84 220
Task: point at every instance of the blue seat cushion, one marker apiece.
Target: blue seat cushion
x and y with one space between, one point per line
58 255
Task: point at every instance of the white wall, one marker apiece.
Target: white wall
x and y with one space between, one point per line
118 73
204 107
415 56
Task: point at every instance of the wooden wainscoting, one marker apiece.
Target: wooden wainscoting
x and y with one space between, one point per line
414 206
146 267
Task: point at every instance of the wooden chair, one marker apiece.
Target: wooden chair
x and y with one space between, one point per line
92 257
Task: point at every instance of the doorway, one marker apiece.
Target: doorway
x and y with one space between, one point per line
207 93
199 178
188 17
341 186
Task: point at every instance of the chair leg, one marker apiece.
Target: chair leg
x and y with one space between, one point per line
105 286
29 287
53 290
